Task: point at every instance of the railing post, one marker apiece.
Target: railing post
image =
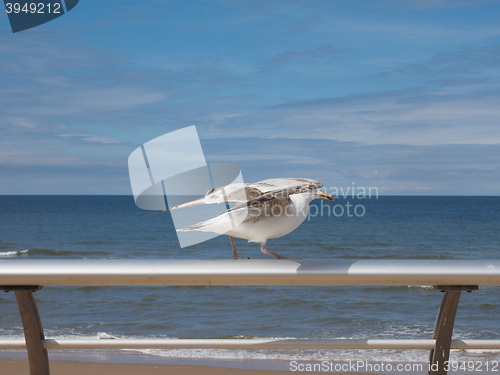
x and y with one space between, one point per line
443 329
33 330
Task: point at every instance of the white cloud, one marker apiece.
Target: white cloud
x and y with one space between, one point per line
406 117
89 138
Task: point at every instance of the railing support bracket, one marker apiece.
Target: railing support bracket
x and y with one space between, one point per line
32 325
443 329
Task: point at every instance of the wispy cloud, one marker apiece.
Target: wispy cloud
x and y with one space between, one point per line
89 138
321 54
394 169
460 63
406 117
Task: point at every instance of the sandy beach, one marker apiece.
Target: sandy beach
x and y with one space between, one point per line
20 367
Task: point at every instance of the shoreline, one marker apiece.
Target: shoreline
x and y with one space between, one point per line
128 362
58 367
78 362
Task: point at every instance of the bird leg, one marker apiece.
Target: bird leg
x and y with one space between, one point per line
235 254
265 251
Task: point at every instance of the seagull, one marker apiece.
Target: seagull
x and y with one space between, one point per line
263 210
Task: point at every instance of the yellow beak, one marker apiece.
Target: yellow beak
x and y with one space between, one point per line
326 196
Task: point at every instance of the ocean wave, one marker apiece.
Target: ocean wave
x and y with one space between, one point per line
104 336
94 242
337 355
51 253
14 253
421 286
396 255
371 355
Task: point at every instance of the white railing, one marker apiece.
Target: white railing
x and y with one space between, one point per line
452 276
90 272
247 344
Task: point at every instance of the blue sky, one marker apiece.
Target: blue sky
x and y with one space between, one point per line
401 95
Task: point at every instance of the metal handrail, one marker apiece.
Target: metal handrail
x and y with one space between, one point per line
158 343
363 272
24 276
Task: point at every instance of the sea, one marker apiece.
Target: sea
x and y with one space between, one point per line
381 227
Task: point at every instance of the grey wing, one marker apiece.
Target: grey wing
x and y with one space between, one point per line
232 193
279 188
284 187
287 186
258 192
239 193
